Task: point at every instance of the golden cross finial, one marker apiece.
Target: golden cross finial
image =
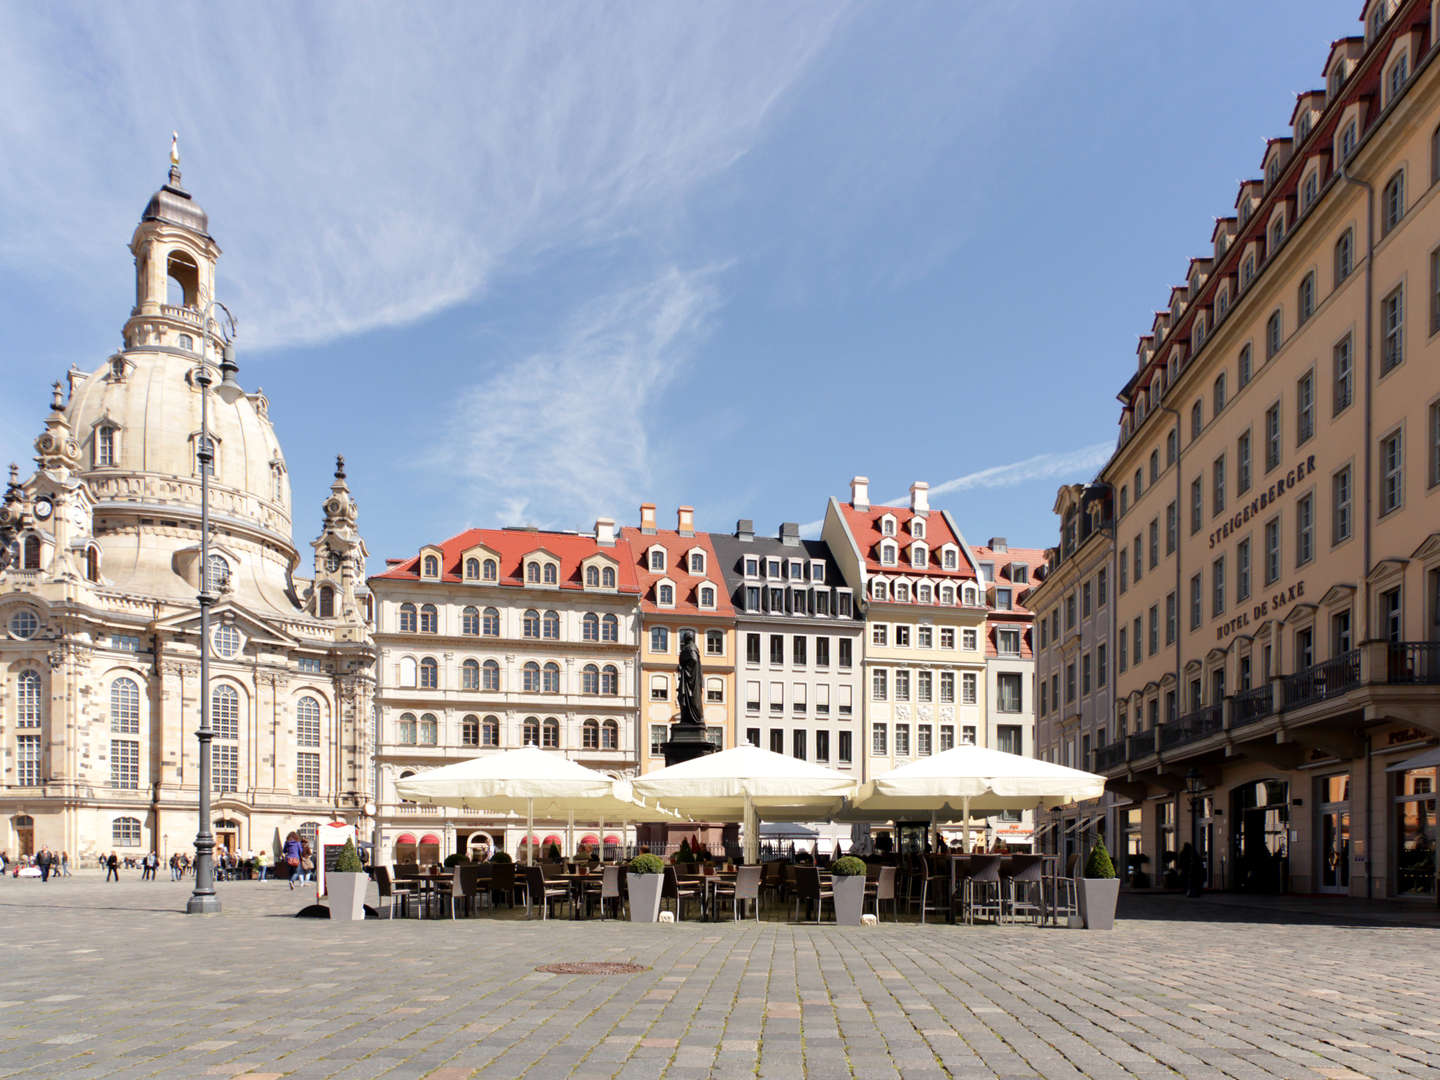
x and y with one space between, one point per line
174 148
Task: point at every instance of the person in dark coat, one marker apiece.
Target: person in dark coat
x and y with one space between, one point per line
112 868
43 860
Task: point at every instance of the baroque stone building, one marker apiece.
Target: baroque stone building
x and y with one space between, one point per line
99 648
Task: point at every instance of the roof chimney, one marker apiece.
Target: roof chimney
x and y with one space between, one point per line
647 518
745 529
860 493
685 520
920 497
997 544
790 533
605 532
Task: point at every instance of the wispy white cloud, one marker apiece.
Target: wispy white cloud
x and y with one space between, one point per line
363 164
567 426
1062 463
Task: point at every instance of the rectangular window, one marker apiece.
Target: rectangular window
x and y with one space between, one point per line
752 648
879 740
1197 505
902 740
797 743
969 692
880 685
1154 629
1242 464
1246 366
777 698
822 699
1217 587
923 740
1196 607
822 746
1172 528
1304 529
777 741
1272 551
902 636
879 635
1100 664
1217 494
1085 600
307 775
845 704
1086 675
659 639
846 652
798 649
1124 570
1154 543
1009 738
224 768
1343 385
924 686
659 688
1305 408
1392 624
924 636
902 684
27 760
947 637
1392 330
1137 633
1122 654
947 687
659 736
1170 619
1392 472
777 649
1272 436
125 763
822 652
1101 587
969 639
843 751
1008 692
1434 427
1242 570
947 737
1069 684
752 696
1007 642
1139 562
842 605
1341 497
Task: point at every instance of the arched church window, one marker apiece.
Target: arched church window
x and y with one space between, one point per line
217 577
182 280
32 552
327 602
92 564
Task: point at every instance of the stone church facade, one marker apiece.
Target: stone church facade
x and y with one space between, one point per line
99 621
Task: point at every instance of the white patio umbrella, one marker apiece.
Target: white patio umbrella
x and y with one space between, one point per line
746 783
526 781
974 778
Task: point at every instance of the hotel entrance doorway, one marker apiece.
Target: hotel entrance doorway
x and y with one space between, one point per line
1261 812
1332 800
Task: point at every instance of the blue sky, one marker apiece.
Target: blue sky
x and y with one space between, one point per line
539 263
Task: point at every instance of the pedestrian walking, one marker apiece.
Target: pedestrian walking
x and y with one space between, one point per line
262 864
293 852
64 864
42 860
112 867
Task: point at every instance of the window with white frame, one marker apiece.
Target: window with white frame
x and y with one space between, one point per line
1392 472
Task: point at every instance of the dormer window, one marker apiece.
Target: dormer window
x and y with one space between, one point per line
707 596
1277 234
887 525
947 594
797 570
878 590
532 573
817 572
949 558
551 574
1020 573
917 528
1003 599
772 568
752 566
105 445
490 570
472 569
665 594
1247 271
657 559
1309 190
1377 20
924 594
1272 172
1222 303
972 595
919 556
430 567
887 554
697 562
902 592
592 577
607 578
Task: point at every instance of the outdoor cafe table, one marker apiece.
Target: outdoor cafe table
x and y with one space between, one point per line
1050 865
433 887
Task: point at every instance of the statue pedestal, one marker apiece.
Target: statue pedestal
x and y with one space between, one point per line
686 742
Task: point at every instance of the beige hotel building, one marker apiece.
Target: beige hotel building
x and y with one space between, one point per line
1276 561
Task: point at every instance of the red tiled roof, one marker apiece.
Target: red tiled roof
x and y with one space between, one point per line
1033 558
512 545
677 570
865 528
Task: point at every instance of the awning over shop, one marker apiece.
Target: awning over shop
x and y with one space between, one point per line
405 838
1426 759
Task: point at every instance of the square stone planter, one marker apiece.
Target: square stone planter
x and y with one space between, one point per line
347 895
644 893
1097 898
849 898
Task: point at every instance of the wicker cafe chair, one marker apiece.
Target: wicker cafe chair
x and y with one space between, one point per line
809 890
544 893
746 886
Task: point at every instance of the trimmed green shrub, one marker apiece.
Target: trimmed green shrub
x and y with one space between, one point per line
500 856
553 853
456 859
1098 865
848 866
684 855
349 861
647 864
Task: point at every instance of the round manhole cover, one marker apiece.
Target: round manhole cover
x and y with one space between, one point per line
592 967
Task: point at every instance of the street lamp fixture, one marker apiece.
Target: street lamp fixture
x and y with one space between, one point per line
1194 785
217 322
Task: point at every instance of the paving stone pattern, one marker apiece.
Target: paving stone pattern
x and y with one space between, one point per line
112 981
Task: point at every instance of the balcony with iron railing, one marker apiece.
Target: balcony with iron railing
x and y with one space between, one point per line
1321 682
1109 756
1253 705
1413 663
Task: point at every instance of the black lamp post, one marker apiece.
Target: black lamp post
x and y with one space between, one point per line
1193 785
203 900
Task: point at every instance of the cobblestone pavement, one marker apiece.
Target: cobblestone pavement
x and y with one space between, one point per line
111 981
